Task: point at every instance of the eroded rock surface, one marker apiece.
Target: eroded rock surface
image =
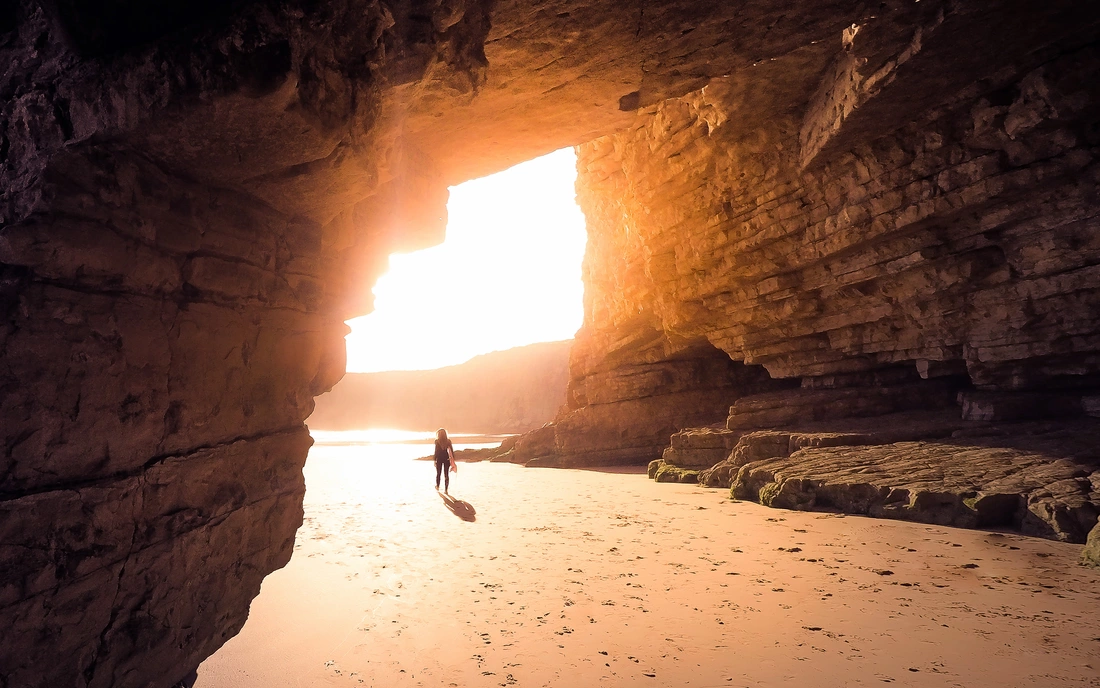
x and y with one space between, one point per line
1090 555
1040 480
910 231
699 447
194 198
935 243
912 221
157 370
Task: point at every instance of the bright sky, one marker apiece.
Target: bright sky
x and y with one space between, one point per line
508 274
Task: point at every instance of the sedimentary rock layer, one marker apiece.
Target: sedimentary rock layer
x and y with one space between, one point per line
1040 480
194 196
892 235
962 237
133 579
157 369
624 411
912 228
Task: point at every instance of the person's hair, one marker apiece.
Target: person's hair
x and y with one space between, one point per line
441 434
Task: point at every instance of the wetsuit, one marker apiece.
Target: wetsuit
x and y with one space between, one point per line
443 462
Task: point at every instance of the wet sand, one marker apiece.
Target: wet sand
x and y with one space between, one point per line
588 578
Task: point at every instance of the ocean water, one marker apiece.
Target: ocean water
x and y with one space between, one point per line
348 465
392 436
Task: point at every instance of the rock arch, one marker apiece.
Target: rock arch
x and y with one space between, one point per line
196 197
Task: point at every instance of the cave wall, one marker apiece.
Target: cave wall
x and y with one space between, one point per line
162 346
166 329
194 197
966 237
856 240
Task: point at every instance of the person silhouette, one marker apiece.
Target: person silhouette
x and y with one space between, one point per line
444 458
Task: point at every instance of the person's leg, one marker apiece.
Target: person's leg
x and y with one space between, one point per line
446 477
438 467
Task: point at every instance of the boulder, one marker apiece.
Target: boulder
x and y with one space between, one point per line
666 473
1090 555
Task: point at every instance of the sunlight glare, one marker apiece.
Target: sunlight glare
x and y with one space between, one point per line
508 274
392 436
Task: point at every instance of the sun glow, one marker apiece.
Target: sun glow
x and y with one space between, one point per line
508 274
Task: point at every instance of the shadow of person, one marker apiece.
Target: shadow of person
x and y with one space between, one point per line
463 510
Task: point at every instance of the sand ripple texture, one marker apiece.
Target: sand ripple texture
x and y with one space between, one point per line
589 578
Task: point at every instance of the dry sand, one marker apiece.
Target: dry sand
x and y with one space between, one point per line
587 578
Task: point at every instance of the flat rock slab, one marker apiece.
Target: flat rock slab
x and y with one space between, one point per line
907 426
1040 479
697 448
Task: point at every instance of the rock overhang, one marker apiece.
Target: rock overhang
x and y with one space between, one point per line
190 210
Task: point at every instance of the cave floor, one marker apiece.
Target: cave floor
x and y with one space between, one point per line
588 578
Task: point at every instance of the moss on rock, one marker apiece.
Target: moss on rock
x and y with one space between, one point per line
666 473
1090 556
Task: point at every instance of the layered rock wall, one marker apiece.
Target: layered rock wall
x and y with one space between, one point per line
193 197
166 329
196 195
964 240
162 345
886 264
891 242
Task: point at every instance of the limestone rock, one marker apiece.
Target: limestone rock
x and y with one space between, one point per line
623 408
507 456
667 473
545 461
534 444
764 444
778 409
1019 406
1038 479
699 447
651 469
204 527
1090 555
918 243
720 474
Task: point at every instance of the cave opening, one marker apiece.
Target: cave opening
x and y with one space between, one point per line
507 274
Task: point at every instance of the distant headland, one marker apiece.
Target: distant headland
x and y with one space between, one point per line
515 390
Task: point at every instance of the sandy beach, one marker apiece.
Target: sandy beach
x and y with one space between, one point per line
547 577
